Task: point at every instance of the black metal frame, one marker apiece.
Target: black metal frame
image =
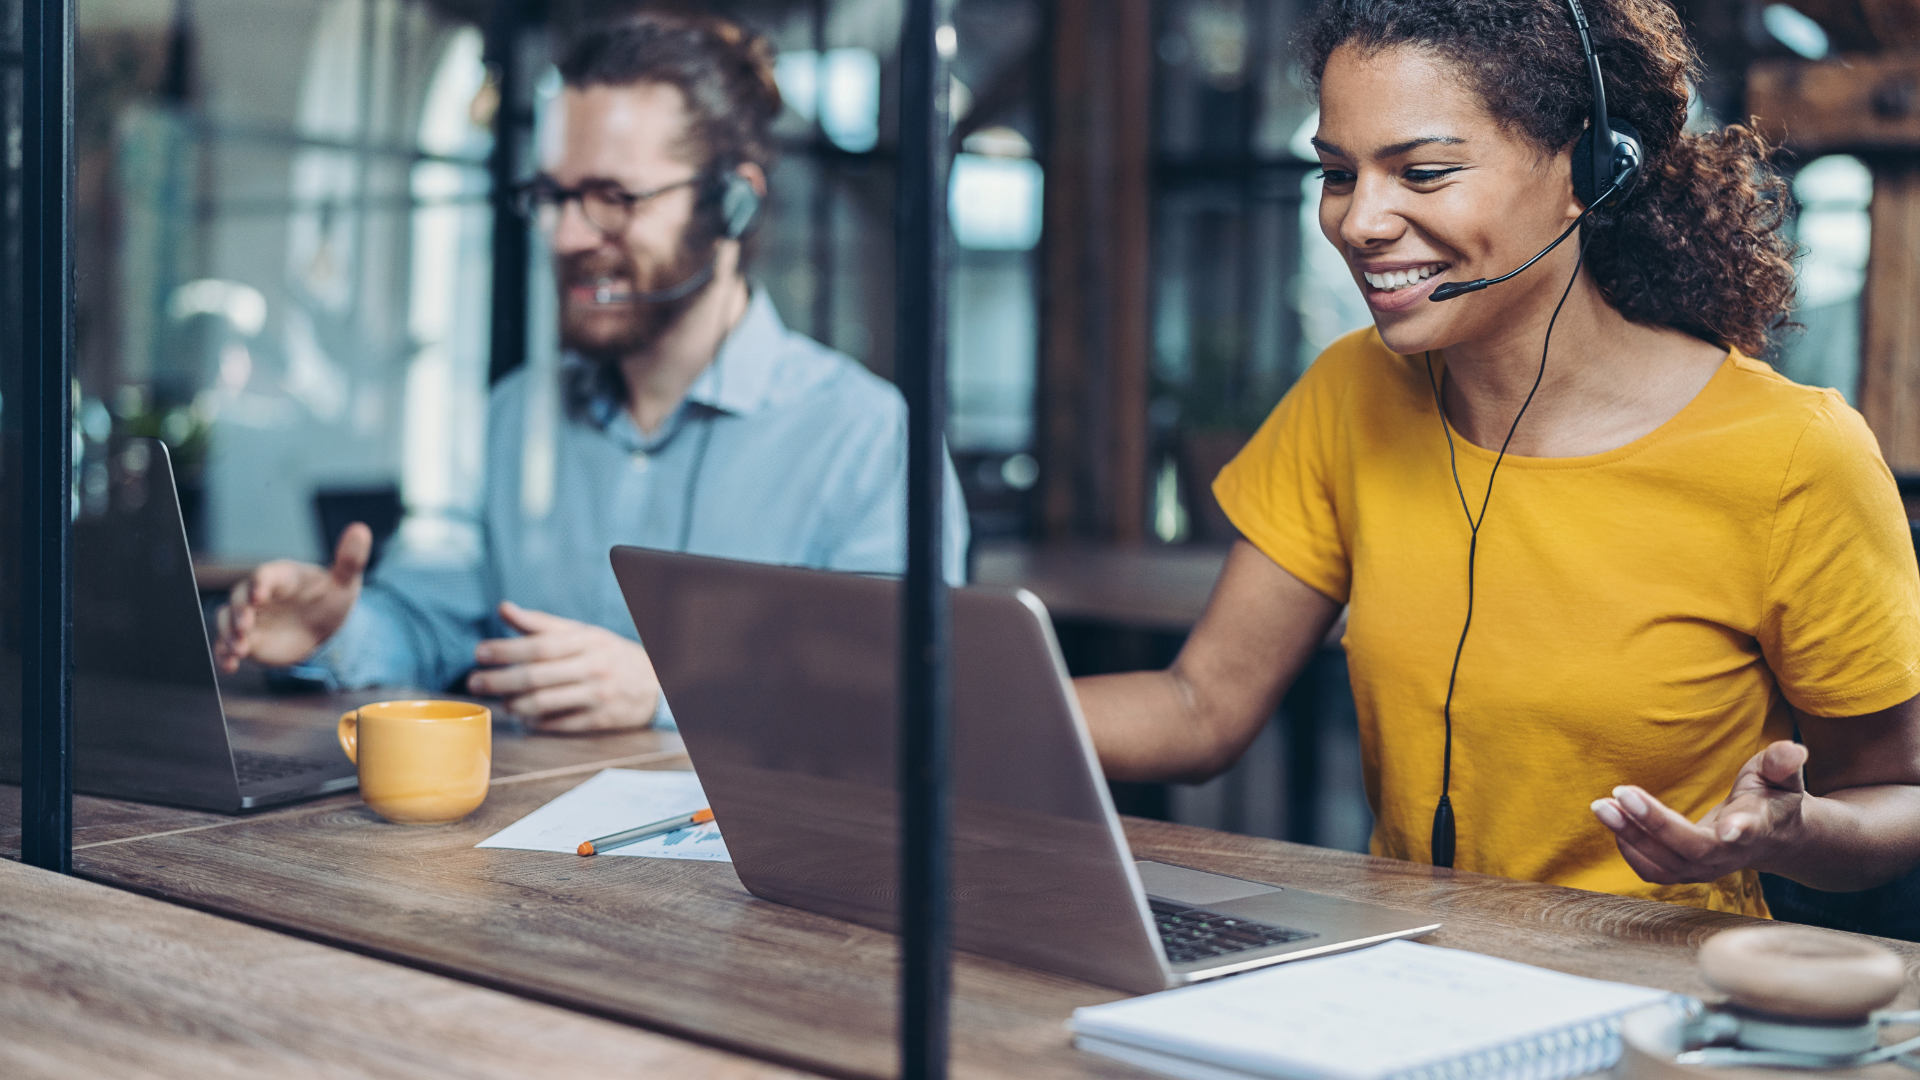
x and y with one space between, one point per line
46 410
507 339
921 368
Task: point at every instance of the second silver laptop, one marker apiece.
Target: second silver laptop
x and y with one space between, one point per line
783 683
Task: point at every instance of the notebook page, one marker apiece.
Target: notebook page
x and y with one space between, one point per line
616 799
1361 1015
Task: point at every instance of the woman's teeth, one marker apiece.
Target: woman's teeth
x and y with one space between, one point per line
1400 279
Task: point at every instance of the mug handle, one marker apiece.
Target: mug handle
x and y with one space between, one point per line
349 732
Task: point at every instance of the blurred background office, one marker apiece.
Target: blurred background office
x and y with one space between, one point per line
293 270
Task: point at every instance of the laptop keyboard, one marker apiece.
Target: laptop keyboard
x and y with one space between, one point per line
258 767
1195 934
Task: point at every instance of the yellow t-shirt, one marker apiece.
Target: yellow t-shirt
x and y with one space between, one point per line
1643 615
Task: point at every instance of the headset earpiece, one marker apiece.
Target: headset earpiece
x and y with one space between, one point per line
1622 170
739 205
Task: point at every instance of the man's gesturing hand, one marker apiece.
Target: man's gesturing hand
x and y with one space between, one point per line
285 610
1754 825
565 675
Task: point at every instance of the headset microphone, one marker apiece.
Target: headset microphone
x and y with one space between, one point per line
738 206
694 282
1460 288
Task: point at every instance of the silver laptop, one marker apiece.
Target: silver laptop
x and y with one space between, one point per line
147 720
783 683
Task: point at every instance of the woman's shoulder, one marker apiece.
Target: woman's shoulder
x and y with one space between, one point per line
1783 442
1805 420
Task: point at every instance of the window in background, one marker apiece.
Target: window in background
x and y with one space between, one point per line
994 207
265 276
839 90
1795 30
825 251
1833 233
445 407
1245 292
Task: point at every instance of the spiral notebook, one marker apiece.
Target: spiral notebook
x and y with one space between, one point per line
1398 1011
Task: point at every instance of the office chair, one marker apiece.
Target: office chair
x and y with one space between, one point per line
336 508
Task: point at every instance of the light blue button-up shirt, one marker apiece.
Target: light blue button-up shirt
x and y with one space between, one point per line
784 451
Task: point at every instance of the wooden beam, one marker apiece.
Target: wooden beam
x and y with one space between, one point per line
1890 323
1851 103
1093 371
1130 227
1867 105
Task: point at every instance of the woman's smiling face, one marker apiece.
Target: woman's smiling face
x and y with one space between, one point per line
1424 186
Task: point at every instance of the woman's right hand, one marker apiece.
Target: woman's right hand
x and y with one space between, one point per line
284 610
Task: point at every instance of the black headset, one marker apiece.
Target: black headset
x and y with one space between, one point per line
1597 180
737 202
736 205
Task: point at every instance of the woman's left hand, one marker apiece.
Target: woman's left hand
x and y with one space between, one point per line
1750 828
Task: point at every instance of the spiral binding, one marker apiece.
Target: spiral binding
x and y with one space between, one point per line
1556 1055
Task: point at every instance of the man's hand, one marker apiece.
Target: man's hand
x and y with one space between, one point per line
565 675
285 610
1755 824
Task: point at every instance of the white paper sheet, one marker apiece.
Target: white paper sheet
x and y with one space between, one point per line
619 799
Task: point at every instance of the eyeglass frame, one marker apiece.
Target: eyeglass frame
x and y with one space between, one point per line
527 198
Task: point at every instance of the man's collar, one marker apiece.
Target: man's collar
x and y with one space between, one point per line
741 376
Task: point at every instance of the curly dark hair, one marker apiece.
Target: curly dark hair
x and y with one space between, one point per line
722 69
1698 245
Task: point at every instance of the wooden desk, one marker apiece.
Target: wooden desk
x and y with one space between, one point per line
98 982
1141 588
218 577
517 756
681 948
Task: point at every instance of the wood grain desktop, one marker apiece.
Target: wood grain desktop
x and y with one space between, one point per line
518 755
681 948
99 982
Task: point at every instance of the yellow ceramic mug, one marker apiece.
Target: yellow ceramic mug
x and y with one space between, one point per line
421 762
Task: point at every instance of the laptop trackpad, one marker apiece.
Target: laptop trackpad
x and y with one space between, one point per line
1195 887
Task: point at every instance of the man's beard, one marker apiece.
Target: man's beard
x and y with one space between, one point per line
604 315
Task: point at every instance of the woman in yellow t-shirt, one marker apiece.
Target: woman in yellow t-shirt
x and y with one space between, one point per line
1682 560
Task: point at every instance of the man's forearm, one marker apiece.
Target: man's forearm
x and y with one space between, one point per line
1853 839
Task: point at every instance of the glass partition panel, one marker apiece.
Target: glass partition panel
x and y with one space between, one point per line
283 237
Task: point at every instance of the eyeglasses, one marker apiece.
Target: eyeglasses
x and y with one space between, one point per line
608 206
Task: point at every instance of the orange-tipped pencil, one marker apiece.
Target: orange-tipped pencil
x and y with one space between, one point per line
658 828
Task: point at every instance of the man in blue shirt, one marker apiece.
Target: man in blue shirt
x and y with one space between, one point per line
686 417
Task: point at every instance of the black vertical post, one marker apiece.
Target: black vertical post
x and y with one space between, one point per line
46 412
921 366
507 341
